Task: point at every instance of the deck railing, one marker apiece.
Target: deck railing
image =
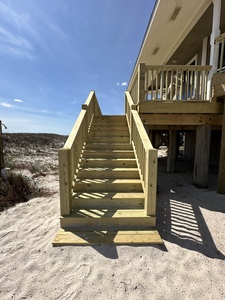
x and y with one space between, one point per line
70 154
146 155
221 61
171 83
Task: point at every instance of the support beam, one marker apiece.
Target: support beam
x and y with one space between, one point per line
172 151
221 177
202 151
182 119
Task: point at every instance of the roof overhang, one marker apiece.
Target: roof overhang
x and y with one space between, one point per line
170 23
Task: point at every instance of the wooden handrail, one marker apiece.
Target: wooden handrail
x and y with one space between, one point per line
70 154
146 155
170 82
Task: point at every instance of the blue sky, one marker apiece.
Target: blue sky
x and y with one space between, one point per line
54 52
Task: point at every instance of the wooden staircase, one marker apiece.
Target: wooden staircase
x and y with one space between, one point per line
108 198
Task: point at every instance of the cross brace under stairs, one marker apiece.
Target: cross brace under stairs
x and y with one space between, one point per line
108 198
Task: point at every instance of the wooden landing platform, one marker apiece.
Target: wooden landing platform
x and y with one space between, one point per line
82 238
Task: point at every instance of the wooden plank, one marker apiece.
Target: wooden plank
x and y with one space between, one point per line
109 139
141 82
108 185
182 119
151 182
202 151
113 219
179 127
203 107
108 154
108 173
65 181
108 146
221 176
113 163
97 200
145 237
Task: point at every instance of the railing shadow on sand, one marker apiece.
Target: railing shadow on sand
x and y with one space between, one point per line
180 218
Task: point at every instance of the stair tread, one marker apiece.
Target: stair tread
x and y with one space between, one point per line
106 195
100 169
108 214
107 150
109 180
125 237
110 159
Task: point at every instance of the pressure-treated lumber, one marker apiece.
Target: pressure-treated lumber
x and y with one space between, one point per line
182 107
65 181
106 172
182 119
104 185
108 193
108 153
112 162
145 237
110 200
109 219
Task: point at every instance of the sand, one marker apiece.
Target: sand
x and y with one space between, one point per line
190 264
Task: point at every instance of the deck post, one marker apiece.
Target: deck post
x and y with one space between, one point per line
221 176
202 151
151 180
172 151
65 181
141 82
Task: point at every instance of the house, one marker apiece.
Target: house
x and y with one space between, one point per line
178 82
108 166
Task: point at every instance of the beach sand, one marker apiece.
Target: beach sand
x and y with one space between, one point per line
190 264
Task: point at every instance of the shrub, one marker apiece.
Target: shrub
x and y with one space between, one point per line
17 188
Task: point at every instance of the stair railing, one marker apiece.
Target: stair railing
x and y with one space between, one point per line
146 155
70 154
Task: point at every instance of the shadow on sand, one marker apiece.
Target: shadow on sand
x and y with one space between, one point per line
179 211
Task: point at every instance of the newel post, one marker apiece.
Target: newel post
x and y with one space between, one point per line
65 181
141 82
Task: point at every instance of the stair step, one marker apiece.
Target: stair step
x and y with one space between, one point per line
108 219
108 126
108 146
111 132
108 200
108 185
119 173
145 237
113 163
108 154
109 139
109 119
